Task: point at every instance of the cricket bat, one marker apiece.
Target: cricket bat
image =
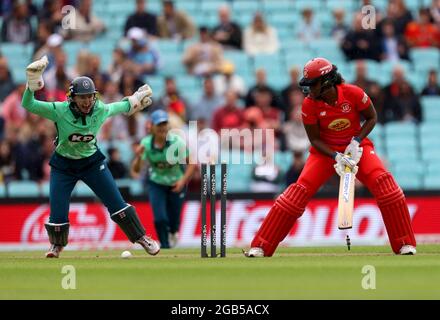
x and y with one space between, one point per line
346 199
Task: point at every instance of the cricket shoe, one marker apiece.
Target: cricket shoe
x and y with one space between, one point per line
151 246
54 251
407 250
254 252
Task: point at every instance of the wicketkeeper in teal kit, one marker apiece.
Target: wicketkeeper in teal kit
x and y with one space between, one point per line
165 152
77 157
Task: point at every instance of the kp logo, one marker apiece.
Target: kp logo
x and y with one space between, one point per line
77 137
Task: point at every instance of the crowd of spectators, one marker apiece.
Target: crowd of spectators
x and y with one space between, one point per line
225 101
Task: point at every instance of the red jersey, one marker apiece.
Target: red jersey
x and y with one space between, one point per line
338 123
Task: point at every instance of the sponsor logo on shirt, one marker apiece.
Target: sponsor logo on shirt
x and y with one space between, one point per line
77 137
345 107
339 124
322 113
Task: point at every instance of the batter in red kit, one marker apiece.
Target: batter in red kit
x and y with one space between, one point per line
331 114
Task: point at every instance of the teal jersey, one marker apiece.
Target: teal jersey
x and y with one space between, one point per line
162 170
76 133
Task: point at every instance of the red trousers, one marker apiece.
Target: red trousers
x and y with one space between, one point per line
291 204
319 168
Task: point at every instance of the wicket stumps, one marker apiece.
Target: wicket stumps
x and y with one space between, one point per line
211 186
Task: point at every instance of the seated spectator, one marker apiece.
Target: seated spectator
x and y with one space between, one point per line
227 33
229 80
372 88
17 26
204 57
339 29
296 168
57 76
399 15
115 127
174 24
435 12
87 25
7 163
394 46
6 81
13 137
361 79
173 103
422 33
293 129
52 47
115 165
143 57
271 115
208 103
261 83
12 112
308 28
432 88
40 42
95 71
82 65
360 43
51 13
400 102
118 64
142 19
129 81
229 116
293 85
260 38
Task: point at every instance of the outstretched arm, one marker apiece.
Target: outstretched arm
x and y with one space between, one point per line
140 100
42 108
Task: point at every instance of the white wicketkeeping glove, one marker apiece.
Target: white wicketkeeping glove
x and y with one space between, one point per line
354 151
34 74
140 99
342 162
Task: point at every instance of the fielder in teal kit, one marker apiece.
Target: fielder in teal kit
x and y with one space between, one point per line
77 156
165 152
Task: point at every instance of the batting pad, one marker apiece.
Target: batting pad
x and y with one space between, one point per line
395 213
289 206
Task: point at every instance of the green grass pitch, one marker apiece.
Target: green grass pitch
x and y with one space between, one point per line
293 273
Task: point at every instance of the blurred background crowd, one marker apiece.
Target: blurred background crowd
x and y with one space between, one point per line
225 64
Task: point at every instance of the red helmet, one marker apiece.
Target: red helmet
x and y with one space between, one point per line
314 70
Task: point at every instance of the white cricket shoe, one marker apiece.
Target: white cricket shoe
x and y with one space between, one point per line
254 252
54 251
151 246
172 239
407 250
